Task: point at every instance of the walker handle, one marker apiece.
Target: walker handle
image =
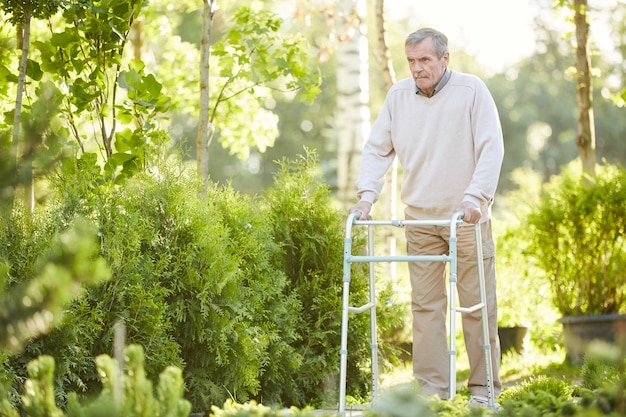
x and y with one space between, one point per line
354 216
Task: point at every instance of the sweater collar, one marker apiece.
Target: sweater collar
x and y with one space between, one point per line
444 80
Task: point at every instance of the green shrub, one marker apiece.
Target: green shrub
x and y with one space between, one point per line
538 396
577 240
127 394
310 232
254 409
402 401
242 293
45 266
596 373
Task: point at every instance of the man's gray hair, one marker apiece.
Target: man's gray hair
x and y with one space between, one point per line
439 39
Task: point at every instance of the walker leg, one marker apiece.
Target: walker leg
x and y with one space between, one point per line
373 326
485 318
343 352
452 318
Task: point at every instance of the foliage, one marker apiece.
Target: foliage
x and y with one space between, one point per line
550 385
576 237
595 373
242 293
128 394
401 401
111 107
253 56
33 301
39 9
254 409
523 292
309 231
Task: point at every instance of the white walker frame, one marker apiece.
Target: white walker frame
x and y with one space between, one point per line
451 258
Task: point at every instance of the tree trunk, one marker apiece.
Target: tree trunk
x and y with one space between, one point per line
585 140
382 52
23 35
353 117
389 77
204 126
137 38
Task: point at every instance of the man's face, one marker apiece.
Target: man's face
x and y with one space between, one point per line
426 67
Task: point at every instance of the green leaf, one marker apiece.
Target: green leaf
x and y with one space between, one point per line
61 39
123 140
129 80
152 86
33 70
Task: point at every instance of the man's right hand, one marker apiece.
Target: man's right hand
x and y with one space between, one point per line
364 207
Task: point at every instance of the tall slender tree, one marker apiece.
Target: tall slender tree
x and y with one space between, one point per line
586 139
21 13
205 128
353 116
383 56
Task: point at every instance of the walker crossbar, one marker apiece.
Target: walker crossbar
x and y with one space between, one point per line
451 258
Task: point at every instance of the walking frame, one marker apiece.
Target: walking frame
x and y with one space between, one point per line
451 258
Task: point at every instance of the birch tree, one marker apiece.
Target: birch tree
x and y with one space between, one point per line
383 56
205 128
21 13
353 115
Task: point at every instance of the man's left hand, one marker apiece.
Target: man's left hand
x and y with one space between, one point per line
471 212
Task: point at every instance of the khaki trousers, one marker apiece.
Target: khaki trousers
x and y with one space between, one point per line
429 283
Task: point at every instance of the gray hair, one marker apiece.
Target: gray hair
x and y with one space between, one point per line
439 39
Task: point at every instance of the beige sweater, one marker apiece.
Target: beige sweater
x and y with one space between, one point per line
450 147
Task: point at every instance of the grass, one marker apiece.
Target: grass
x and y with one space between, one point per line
515 368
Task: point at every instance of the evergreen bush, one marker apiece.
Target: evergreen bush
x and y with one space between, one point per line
310 232
243 293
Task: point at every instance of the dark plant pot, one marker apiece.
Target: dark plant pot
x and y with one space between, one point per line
579 331
512 339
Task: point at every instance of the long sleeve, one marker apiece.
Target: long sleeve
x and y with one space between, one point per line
378 155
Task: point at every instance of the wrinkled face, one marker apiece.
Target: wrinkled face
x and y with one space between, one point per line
425 65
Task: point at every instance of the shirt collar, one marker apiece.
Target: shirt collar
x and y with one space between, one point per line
444 80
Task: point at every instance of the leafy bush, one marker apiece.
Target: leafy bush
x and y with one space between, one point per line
311 235
577 238
401 401
538 396
44 266
244 294
254 409
128 393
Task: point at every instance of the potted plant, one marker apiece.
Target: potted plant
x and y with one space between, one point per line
577 238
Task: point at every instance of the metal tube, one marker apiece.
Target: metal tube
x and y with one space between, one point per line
373 328
485 318
452 247
345 306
